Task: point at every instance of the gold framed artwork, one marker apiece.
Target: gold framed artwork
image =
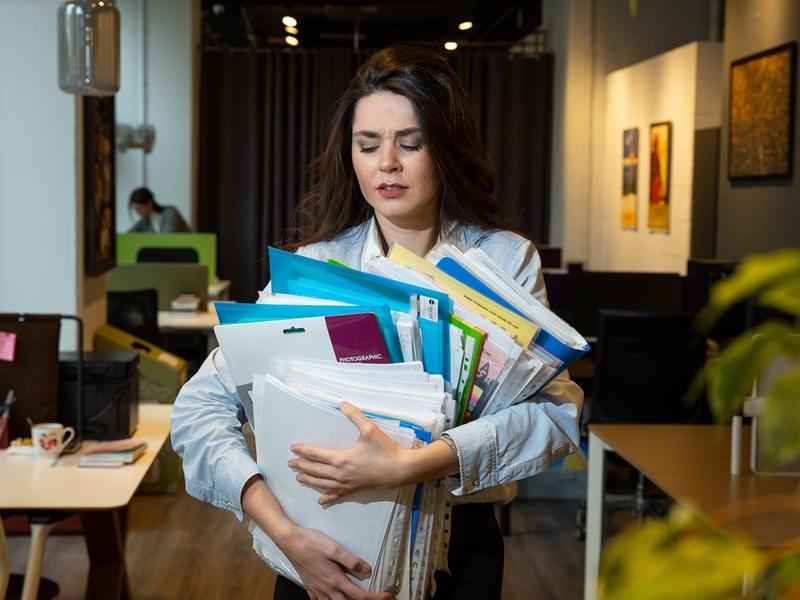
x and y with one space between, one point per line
630 178
99 196
762 101
660 157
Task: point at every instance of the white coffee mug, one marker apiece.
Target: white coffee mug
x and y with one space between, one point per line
49 439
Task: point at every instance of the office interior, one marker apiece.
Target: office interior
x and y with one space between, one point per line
193 75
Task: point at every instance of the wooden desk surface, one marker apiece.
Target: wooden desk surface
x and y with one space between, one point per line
691 463
202 320
28 482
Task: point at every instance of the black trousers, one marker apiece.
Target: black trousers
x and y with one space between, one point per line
475 559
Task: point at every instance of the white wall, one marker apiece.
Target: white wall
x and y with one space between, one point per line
682 86
157 87
40 260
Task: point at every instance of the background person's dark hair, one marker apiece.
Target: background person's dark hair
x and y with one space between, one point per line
447 118
143 196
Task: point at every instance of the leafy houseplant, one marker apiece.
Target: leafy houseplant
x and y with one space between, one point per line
682 557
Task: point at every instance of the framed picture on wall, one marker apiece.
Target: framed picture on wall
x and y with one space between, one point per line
630 178
762 102
660 157
99 197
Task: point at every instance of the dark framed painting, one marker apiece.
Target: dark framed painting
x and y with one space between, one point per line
630 178
98 184
762 103
660 158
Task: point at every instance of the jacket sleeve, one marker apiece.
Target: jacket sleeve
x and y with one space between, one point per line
207 434
524 439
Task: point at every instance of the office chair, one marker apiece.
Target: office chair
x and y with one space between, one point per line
182 255
645 363
135 312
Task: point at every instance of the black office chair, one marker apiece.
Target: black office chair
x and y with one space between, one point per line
645 363
135 312
178 255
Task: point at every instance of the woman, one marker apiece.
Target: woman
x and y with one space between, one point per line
403 163
153 216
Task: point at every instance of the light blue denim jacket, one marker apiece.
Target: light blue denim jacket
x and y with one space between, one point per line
501 448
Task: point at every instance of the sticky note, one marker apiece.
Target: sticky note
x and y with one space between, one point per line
8 343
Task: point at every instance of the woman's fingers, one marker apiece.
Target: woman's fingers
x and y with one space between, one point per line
315 453
327 486
357 417
314 469
349 562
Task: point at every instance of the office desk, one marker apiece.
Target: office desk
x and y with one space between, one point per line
100 496
691 463
203 321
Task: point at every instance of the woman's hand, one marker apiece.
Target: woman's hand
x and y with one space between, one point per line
322 563
374 461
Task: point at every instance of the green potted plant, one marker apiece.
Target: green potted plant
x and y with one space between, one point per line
682 557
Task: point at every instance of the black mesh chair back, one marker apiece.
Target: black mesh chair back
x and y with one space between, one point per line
135 312
644 366
182 255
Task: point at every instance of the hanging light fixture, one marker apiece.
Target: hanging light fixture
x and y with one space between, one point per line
450 46
291 40
466 25
88 47
289 21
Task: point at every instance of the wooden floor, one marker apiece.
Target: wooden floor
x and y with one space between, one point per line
180 548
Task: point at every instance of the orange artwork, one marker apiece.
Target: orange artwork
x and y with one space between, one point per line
658 206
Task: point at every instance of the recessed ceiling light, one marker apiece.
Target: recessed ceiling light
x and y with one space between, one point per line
291 40
292 30
464 25
289 21
450 46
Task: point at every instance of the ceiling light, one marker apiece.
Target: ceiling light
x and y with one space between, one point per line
464 25
289 21
291 40
450 46
292 30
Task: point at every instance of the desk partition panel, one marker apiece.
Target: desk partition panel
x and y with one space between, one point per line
129 245
170 279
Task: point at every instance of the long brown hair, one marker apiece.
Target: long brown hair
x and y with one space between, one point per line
447 118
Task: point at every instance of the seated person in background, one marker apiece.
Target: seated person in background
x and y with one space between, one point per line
154 217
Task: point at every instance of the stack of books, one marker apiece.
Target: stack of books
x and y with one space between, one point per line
420 346
113 454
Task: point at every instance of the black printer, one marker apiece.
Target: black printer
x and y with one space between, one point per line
110 393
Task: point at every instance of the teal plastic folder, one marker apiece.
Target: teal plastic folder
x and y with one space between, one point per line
232 312
303 276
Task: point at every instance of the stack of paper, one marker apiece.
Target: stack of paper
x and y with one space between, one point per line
299 404
419 346
114 454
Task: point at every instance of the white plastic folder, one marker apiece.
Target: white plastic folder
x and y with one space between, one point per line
300 405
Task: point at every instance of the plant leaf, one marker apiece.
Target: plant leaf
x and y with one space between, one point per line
678 557
731 374
754 274
784 296
779 428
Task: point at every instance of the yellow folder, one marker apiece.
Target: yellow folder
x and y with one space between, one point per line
519 328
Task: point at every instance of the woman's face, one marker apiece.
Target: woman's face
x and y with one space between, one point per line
144 210
392 162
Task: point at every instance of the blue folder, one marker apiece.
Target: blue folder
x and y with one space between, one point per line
231 312
303 276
